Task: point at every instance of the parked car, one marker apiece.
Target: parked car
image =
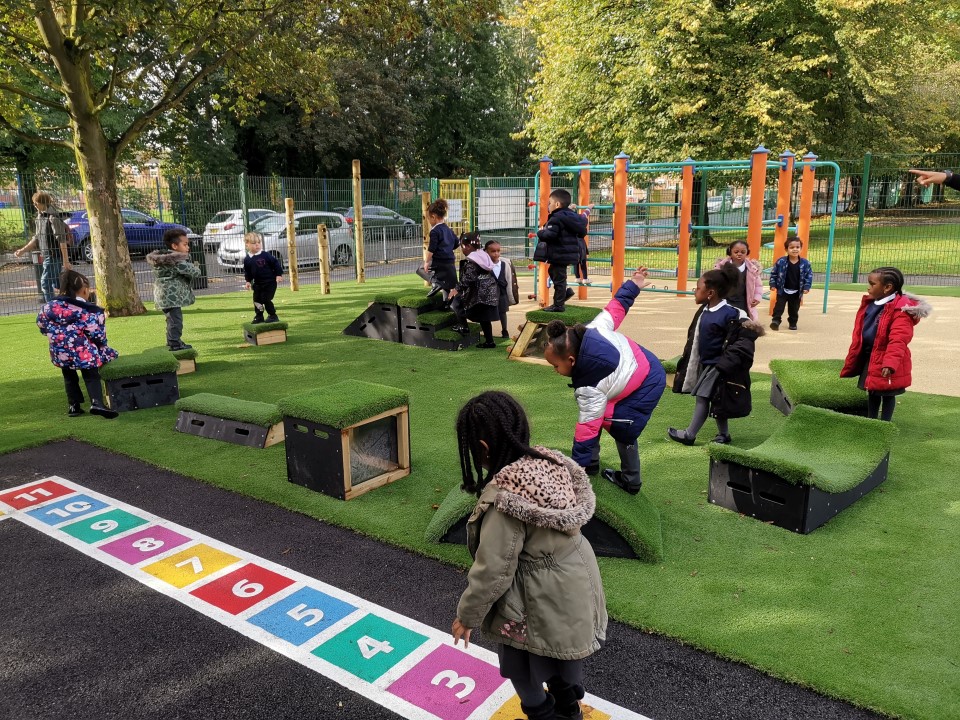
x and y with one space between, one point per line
274 230
715 204
377 216
144 233
229 222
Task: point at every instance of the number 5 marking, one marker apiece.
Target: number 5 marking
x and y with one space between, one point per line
193 562
453 680
301 612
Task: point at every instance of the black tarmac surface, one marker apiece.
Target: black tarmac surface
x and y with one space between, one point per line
80 640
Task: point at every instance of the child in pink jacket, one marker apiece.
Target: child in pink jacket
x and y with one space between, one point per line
749 291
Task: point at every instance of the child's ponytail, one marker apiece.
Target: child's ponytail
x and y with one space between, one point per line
565 341
71 282
722 280
438 208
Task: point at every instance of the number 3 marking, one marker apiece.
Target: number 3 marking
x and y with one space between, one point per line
453 680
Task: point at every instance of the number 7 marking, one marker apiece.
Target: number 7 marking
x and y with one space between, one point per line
194 562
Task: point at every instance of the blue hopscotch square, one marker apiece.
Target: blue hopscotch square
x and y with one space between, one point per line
301 616
70 508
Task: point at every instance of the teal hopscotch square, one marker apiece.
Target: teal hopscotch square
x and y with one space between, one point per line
103 526
370 647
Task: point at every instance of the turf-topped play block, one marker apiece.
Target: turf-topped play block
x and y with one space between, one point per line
533 336
187 359
348 438
814 382
243 422
434 329
267 333
623 525
141 380
817 463
380 321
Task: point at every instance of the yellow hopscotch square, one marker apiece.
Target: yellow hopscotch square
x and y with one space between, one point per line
190 565
510 710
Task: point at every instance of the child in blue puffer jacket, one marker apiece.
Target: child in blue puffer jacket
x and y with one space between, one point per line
78 341
792 278
616 382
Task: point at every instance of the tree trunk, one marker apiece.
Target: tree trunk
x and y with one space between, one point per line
856 188
116 285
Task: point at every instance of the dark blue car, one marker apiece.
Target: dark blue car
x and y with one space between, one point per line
144 233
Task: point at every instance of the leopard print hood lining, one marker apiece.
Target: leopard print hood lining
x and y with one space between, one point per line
541 493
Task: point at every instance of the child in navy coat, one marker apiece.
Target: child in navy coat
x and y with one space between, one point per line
792 278
262 271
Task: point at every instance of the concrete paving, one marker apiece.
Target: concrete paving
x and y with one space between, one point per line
660 321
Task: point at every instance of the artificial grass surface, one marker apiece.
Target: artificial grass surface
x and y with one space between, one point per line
343 404
189 353
571 315
231 408
264 327
826 449
149 362
436 317
818 383
863 609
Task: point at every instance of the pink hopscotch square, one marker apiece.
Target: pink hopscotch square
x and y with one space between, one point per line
448 683
145 544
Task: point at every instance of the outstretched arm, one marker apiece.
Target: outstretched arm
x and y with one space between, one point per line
937 177
616 310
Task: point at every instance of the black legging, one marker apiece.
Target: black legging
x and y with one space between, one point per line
881 405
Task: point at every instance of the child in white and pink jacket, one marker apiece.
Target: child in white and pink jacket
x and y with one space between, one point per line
749 291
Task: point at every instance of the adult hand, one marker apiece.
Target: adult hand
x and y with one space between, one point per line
925 177
459 630
18 253
886 372
426 267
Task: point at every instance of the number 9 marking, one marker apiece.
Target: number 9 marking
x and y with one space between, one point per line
105 525
469 685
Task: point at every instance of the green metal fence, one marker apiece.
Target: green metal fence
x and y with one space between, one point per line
884 218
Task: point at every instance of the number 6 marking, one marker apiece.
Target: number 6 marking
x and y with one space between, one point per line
245 588
453 680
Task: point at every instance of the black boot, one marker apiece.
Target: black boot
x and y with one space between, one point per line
543 711
566 700
106 413
616 477
74 410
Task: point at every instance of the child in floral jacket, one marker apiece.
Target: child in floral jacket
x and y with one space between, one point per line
78 341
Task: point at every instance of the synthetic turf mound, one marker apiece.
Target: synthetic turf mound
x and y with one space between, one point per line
814 382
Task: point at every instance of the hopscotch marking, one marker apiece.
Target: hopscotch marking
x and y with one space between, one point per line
395 661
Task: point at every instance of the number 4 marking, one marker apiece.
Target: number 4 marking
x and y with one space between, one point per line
370 647
193 562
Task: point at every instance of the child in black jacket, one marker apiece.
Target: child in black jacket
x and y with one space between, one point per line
563 234
262 271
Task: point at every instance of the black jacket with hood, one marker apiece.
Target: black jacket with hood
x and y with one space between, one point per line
562 233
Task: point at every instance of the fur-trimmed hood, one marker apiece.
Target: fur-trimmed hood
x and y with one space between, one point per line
754 327
544 494
170 258
916 307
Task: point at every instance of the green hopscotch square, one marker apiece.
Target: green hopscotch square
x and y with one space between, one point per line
367 636
99 527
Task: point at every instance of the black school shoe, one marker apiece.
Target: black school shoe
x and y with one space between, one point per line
570 293
462 329
793 327
180 346
74 410
723 439
487 345
680 437
554 308
434 290
775 325
272 318
616 477
105 413
257 321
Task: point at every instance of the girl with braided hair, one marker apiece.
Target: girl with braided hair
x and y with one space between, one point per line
534 587
617 384
879 352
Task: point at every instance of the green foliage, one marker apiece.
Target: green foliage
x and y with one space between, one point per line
818 383
231 408
149 362
343 404
663 81
571 315
828 450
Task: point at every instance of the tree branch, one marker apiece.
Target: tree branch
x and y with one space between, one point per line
32 97
33 138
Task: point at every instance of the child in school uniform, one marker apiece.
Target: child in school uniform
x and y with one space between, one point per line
262 272
880 349
791 278
440 261
506 276
475 296
716 362
748 291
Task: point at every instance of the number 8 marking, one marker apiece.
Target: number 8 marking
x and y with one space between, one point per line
469 685
148 544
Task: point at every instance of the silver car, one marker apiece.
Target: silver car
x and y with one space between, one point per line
274 231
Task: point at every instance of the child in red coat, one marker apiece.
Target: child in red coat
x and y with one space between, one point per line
880 352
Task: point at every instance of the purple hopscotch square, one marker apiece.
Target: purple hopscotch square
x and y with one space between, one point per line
448 683
145 544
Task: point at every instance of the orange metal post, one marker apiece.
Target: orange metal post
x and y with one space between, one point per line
807 182
545 187
686 219
758 181
784 192
583 200
620 164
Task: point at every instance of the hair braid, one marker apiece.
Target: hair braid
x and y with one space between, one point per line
890 275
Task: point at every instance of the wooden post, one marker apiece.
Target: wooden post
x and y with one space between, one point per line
323 249
758 182
424 204
358 223
807 181
784 193
583 200
292 246
686 220
618 258
546 164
